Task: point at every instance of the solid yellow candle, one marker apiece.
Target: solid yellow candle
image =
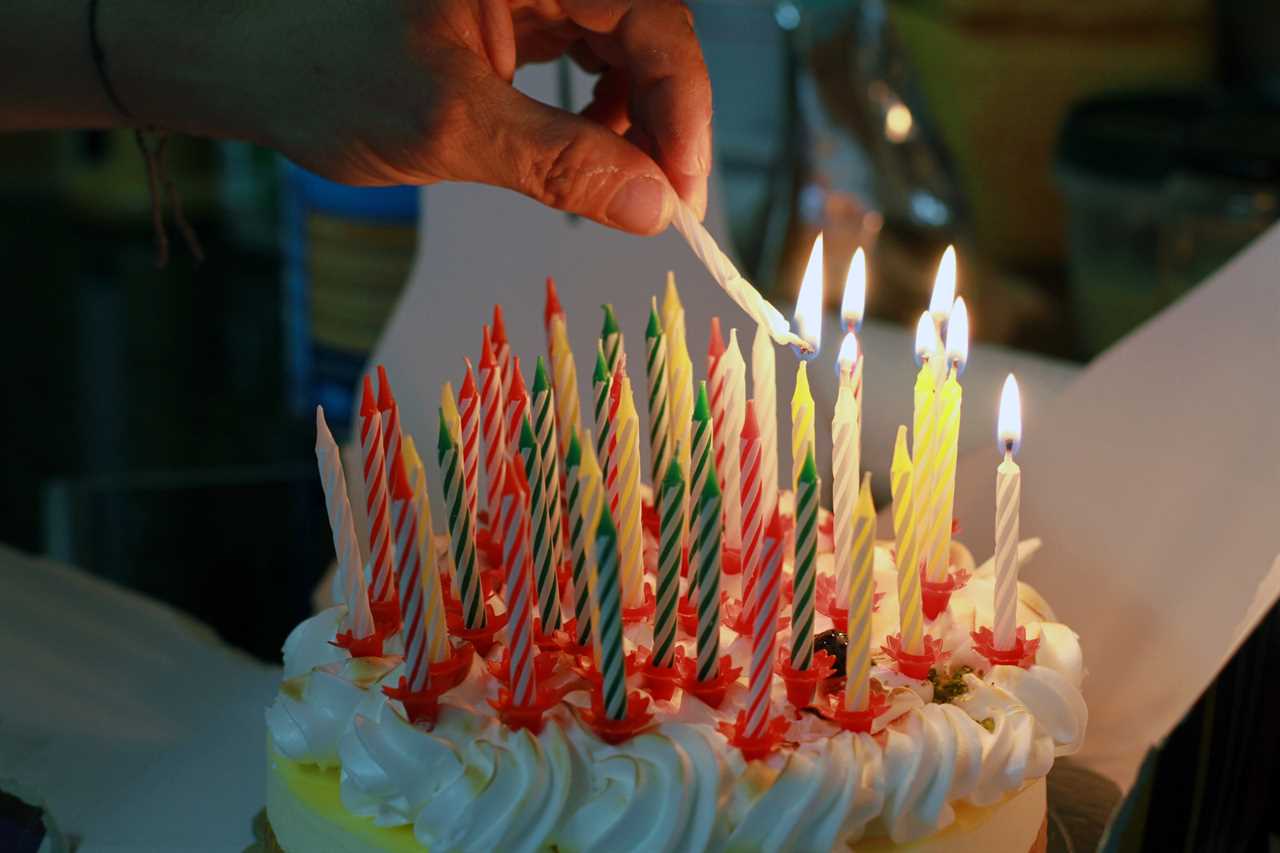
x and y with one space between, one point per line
910 608
802 426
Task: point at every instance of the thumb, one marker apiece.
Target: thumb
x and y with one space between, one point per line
569 162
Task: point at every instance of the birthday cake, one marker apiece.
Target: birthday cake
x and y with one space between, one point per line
660 682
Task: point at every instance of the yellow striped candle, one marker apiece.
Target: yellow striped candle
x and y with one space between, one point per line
910 608
924 430
437 636
950 396
630 532
857 692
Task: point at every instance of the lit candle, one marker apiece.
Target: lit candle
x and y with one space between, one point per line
611 340
752 507
734 370
764 633
706 562
806 564
671 524
924 432
861 599
462 543
564 374
437 633
502 351
944 290
377 504
469 443
544 428
844 486
492 428
623 482
1008 501
808 314
910 607
544 567
517 408
659 398
613 659
764 390
802 423
949 399
853 303
346 548
409 571
516 561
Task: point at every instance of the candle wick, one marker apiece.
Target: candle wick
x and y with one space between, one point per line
1008 448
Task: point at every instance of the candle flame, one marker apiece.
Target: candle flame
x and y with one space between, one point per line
926 338
809 299
958 335
854 302
848 355
944 287
1009 423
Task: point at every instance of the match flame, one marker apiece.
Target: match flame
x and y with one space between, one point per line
927 343
1009 423
809 299
848 355
958 335
944 287
854 302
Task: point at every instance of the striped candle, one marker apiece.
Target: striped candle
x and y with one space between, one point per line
611 340
680 373
857 691
802 423
734 369
345 545
517 408
949 400
462 542
502 350
390 411
544 427
409 571
453 419
622 479
764 633
544 566
613 661
910 608
806 564
377 504
924 433
703 460
601 382
590 505
659 397
716 389
844 485
1008 510
671 524
437 633
516 560
706 562
579 522
564 373
715 349
492 428
752 504
764 390
469 439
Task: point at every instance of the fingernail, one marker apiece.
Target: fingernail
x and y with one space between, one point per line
642 205
704 151
698 198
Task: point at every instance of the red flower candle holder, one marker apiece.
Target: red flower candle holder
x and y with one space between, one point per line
659 681
911 665
544 666
712 691
803 683
528 717
859 721
481 638
566 639
827 603
638 718
936 595
453 670
758 747
422 706
642 612
1022 654
359 647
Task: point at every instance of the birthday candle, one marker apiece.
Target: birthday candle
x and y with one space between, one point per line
806 564
544 566
611 340
516 560
861 599
671 524
613 660
342 526
601 381
591 505
764 633
764 389
924 433
703 460
544 424
706 562
718 398
752 505
391 437
580 520
409 570
659 406
680 384
844 486
377 505
453 419
564 373
949 399
715 349
517 408
492 427
623 481
735 372
502 350
462 542
1008 507
469 439
802 422
910 610
437 633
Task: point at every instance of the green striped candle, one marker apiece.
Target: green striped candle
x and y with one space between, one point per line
703 460
671 528
601 382
544 426
544 568
578 536
706 562
611 340
659 401
806 563
462 541
613 663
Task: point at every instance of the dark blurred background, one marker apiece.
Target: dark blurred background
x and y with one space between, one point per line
1091 161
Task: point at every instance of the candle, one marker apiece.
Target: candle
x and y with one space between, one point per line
703 427
659 405
949 400
1008 507
623 482
764 389
924 433
564 373
752 505
715 349
544 426
437 634
502 351
601 380
802 426
854 301
391 437
517 407
544 567
516 561
671 524
492 428
706 562
808 314
764 633
613 659
734 370
346 548
578 523
857 693
451 414
611 340
590 505
910 608
469 439
844 486
462 543
409 571
806 564
377 504
680 385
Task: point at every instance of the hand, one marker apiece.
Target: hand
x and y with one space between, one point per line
417 91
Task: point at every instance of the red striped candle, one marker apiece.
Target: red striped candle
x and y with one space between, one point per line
764 631
377 506
493 428
502 351
409 571
391 436
517 408
753 511
469 417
